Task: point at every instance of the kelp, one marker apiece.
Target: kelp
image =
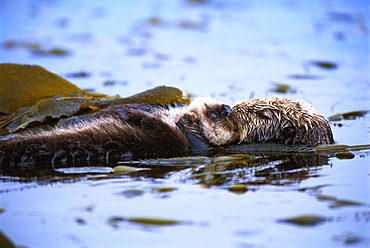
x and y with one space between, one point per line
25 85
32 95
348 115
144 221
305 220
55 108
324 65
282 88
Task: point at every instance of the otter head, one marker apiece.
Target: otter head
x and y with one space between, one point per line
281 120
208 122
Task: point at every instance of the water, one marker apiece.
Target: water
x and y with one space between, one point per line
230 50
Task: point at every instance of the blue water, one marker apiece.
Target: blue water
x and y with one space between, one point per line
230 50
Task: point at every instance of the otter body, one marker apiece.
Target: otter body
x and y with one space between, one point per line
147 131
133 132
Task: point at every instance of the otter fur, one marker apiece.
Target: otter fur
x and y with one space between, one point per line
148 131
282 121
135 132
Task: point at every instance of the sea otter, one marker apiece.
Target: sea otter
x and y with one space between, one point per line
134 132
148 131
282 121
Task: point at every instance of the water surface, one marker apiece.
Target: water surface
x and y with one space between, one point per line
230 50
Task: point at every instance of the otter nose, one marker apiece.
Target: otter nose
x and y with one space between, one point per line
226 110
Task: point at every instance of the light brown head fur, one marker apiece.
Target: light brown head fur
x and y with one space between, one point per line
210 122
281 120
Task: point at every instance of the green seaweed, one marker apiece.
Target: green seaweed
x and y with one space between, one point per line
238 189
153 221
344 155
305 220
163 190
324 65
352 115
25 85
55 108
131 193
283 88
144 221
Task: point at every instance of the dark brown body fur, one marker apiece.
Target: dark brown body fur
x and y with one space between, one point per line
141 131
132 132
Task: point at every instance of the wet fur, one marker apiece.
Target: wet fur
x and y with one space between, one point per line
144 131
282 121
133 132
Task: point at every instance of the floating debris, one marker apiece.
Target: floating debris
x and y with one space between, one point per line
344 203
348 115
326 198
144 221
331 147
324 64
305 220
328 148
52 52
123 169
131 193
80 74
163 190
344 155
282 88
347 238
80 221
154 221
238 189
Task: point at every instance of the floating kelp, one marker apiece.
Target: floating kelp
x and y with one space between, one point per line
51 52
181 161
25 85
131 193
55 108
282 88
154 221
305 220
163 190
348 115
144 221
81 74
347 238
126 169
74 105
339 148
270 149
344 203
238 189
344 155
160 95
324 64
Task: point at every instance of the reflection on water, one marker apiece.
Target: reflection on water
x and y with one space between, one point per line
284 191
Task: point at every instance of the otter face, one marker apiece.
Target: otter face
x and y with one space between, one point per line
209 122
281 120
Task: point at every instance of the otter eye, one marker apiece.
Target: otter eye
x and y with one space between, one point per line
213 115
